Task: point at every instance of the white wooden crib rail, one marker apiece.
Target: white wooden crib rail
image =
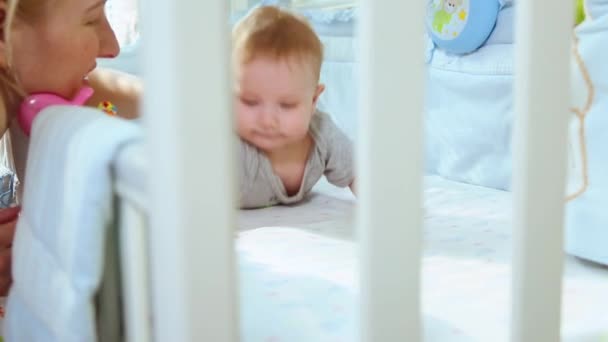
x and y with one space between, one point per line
187 114
191 216
542 98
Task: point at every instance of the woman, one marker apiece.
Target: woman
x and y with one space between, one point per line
52 46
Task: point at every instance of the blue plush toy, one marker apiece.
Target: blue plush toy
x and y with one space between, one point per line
461 26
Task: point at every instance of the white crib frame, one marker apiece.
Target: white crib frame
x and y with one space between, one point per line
191 225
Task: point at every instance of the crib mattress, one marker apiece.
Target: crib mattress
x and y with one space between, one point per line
299 276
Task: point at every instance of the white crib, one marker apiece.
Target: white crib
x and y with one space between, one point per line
189 225
176 218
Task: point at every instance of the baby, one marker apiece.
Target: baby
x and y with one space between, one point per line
286 143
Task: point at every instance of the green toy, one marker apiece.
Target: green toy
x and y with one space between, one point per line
580 12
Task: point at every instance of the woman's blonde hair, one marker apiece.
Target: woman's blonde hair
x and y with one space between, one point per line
10 91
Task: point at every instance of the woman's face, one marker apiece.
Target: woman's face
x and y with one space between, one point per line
55 52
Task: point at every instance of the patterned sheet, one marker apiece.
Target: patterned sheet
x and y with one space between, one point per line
299 272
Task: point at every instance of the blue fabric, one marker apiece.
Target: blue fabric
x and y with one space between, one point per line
596 8
469 111
321 15
587 217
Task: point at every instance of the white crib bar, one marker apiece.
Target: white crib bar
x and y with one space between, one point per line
187 108
390 168
134 256
541 103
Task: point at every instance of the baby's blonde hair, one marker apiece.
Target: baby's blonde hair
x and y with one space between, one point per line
273 32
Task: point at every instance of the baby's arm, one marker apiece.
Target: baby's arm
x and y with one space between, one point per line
122 89
340 166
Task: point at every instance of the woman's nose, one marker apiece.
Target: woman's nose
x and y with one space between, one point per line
108 44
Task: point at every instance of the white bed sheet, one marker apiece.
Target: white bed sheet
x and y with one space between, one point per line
299 272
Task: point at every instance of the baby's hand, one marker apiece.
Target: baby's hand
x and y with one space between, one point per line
352 188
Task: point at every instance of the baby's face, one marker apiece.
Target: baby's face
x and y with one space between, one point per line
274 102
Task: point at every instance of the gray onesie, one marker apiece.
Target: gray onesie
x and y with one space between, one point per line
331 155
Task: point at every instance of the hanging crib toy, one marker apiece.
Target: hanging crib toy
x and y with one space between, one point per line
461 26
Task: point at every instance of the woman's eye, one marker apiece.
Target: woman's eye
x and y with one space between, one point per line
93 22
95 18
